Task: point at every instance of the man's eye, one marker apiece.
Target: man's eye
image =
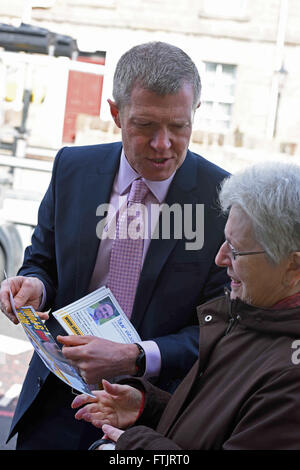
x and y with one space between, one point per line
143 124
179 125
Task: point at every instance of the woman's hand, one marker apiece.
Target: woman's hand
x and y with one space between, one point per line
110 433
117 405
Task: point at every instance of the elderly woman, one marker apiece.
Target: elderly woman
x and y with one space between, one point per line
244 391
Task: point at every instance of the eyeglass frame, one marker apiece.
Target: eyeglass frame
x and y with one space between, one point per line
235 253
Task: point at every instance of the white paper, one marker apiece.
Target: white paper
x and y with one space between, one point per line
46 347
97 314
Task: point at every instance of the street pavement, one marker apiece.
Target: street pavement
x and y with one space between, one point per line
15 354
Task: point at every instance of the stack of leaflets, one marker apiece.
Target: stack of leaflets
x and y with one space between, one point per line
48 350
97 314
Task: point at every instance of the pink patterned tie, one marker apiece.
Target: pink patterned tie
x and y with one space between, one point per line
127 251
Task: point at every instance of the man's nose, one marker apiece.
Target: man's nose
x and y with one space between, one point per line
223 258
160 140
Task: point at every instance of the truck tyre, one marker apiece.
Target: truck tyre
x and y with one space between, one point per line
2 263
11 250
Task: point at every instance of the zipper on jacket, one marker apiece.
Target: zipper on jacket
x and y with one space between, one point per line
232 319
232 322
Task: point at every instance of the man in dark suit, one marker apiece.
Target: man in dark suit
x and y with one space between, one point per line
156 93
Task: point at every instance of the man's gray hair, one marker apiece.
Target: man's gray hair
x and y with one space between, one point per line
269 193
156 66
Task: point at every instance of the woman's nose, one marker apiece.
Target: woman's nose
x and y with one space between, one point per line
223 258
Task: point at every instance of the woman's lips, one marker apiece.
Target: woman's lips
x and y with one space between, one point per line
235 283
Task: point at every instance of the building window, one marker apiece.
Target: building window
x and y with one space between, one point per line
218 81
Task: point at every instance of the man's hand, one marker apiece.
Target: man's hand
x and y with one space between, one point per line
98 358
25 291
116 404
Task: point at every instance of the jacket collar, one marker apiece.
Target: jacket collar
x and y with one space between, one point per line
284 321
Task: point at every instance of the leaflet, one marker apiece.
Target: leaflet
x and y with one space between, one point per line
47 348
98 314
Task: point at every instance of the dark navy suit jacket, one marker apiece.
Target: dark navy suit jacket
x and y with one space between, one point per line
173 280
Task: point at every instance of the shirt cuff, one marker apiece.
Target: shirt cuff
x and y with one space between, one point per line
153 359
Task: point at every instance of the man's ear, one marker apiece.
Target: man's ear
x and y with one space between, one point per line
195 109
114 111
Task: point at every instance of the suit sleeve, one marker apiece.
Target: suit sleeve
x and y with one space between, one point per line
177 361
40 257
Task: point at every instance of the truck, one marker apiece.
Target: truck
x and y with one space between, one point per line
35 69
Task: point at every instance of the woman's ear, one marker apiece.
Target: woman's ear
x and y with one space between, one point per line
293 271
114 111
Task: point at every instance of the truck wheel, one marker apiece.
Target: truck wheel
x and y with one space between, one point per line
2 264
11 250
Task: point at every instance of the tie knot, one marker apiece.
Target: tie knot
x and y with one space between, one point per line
138 191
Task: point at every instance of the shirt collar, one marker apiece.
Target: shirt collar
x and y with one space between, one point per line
127 175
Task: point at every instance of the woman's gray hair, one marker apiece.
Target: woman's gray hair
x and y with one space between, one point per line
269 193
156 66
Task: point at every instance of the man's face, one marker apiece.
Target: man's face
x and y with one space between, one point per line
156 130
104 311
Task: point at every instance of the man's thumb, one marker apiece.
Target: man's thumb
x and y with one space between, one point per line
21 298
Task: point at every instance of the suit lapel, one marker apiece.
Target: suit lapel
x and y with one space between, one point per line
96 186
182 192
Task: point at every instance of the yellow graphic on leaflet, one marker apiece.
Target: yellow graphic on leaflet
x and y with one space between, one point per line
68 320
27 317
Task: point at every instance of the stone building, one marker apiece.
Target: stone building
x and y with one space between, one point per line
247 52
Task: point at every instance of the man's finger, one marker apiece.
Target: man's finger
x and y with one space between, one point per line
7 310
72 346
43 315
21 299
73 340
26 291
5 301
11 317
73 355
